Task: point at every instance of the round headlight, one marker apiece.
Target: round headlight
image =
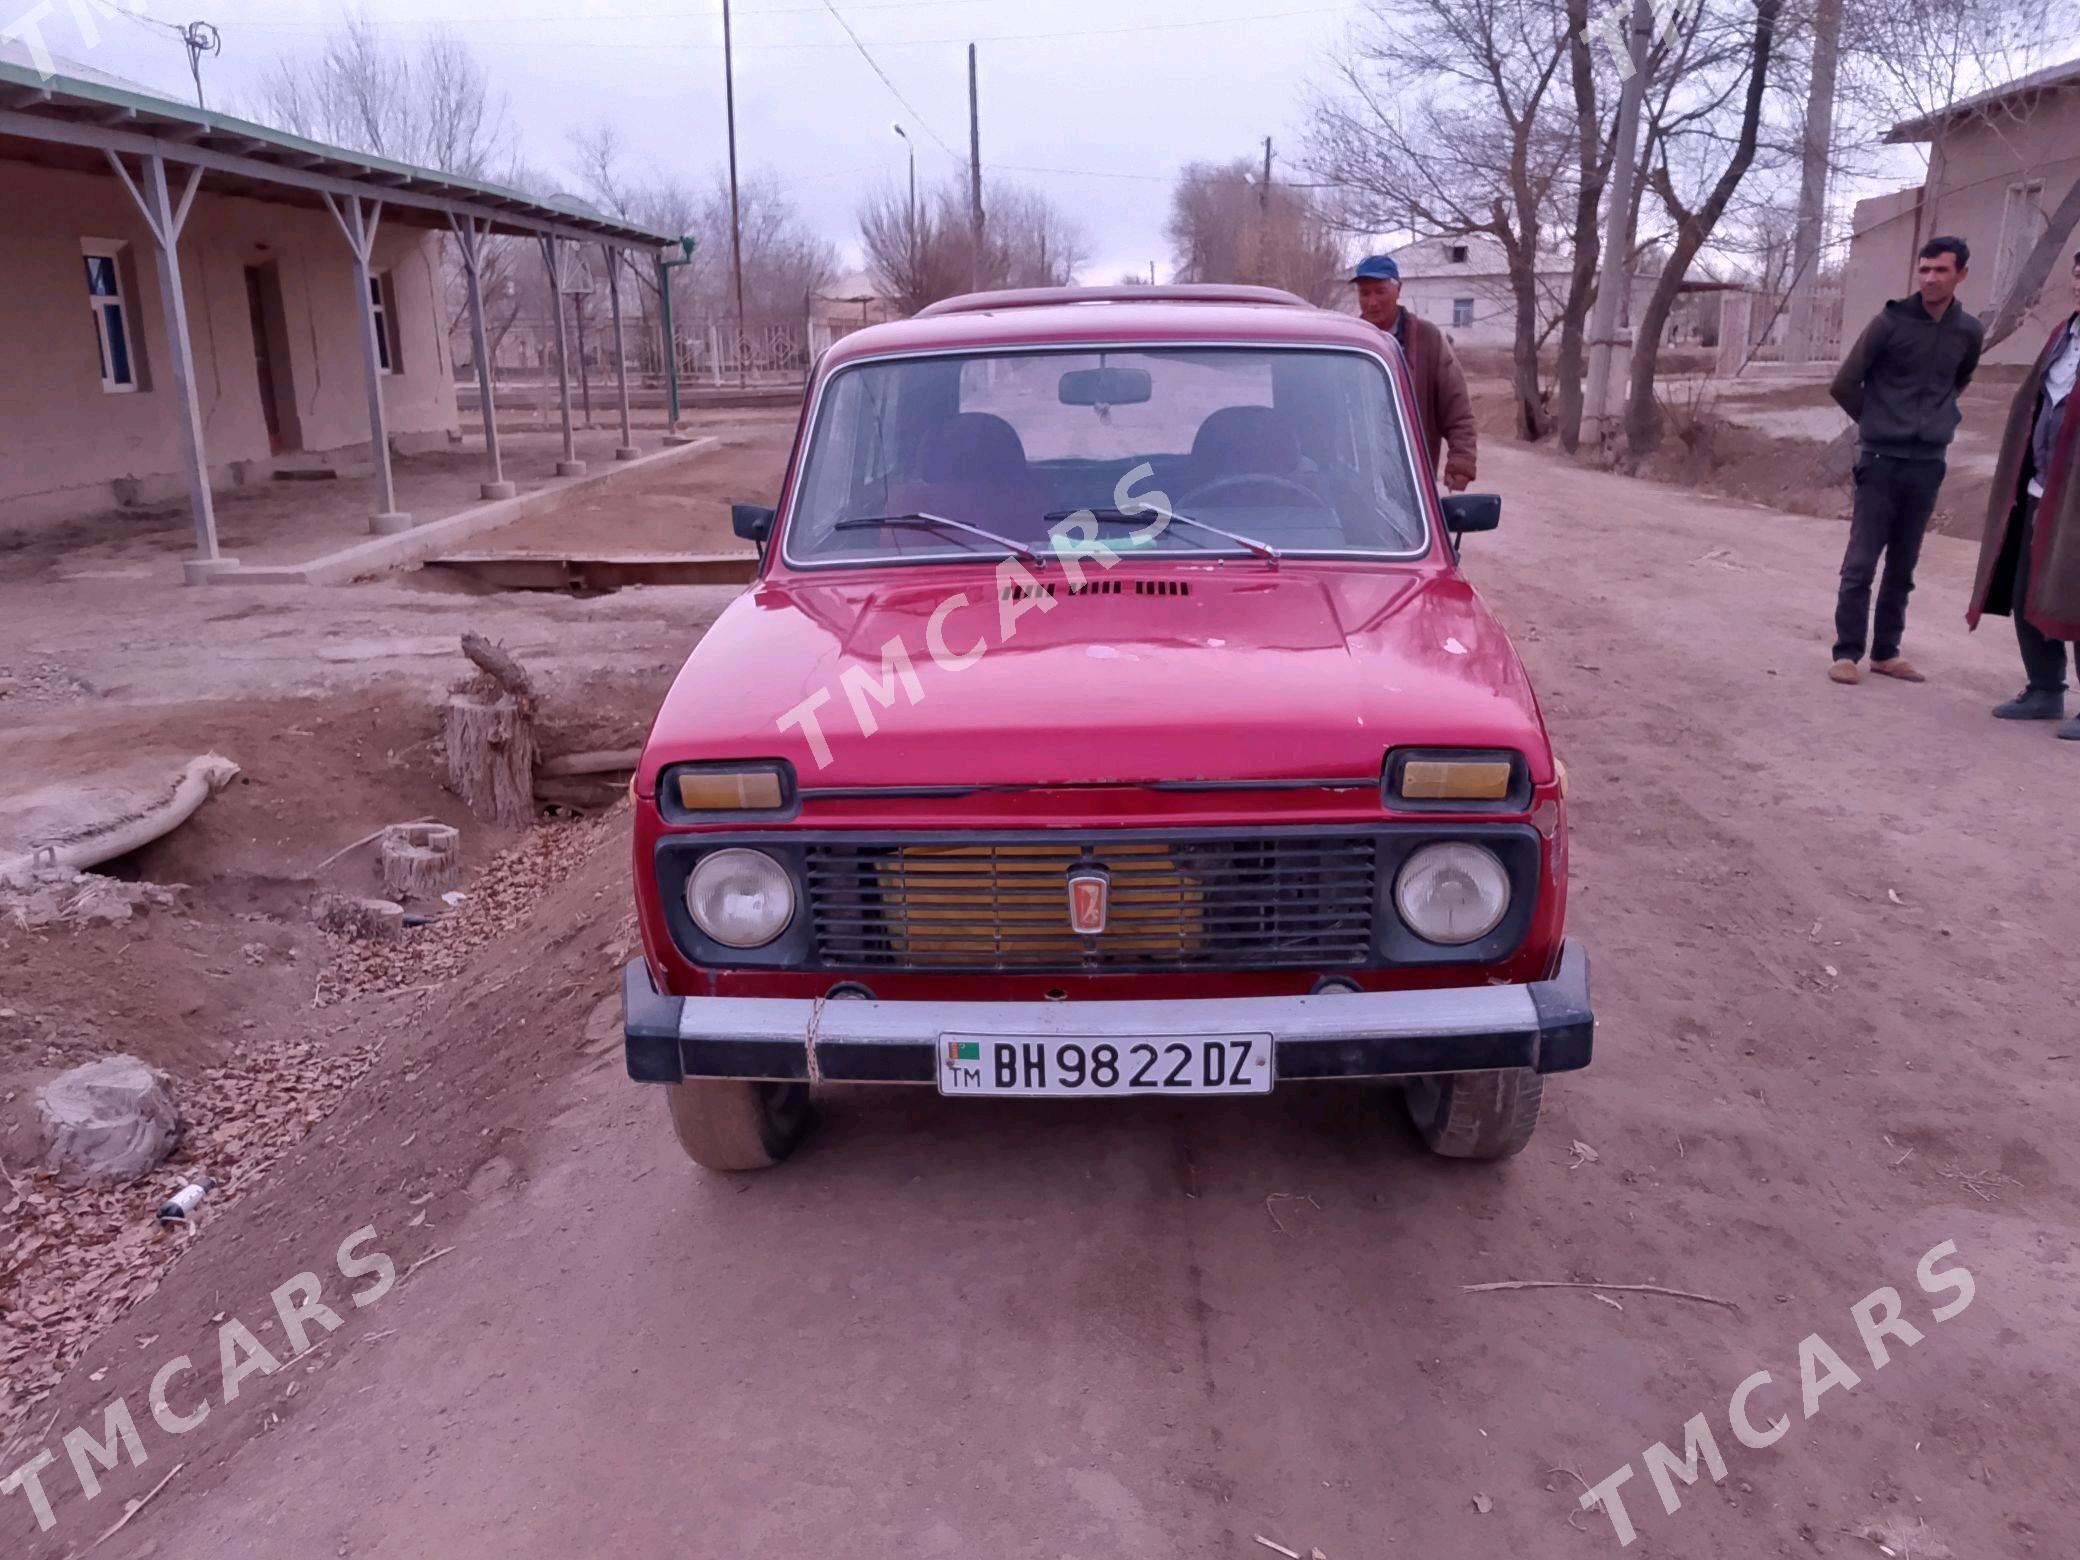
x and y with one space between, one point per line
741 898
1452 894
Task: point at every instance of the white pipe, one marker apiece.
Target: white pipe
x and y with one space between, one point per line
203 778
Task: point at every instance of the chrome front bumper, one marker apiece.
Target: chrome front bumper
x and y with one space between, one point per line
1547 1025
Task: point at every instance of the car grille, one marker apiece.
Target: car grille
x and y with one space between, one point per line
1249 902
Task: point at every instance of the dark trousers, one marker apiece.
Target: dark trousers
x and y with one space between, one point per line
2043 658
1894 499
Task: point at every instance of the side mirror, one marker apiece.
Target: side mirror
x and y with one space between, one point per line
1467 512
754 523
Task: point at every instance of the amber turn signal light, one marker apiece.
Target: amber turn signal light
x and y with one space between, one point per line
1455 780
750 790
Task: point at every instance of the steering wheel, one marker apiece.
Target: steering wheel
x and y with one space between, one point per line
1307 496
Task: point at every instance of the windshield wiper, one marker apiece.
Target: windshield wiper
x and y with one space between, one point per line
929 522
1263 550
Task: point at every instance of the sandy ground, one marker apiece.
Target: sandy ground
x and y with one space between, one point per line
1832 931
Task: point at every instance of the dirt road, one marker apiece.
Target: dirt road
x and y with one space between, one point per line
1833 933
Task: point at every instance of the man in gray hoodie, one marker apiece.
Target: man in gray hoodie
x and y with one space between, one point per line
1900 382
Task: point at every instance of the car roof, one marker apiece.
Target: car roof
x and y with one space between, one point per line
1084 318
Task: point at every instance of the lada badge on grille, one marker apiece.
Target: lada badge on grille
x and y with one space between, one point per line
1089 890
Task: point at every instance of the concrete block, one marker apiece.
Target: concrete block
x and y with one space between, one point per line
200 571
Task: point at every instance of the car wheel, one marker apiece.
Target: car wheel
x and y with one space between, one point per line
1476 1115
735 1123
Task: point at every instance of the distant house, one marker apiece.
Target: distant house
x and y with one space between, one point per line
1998 164
187 297
847 303
1462 285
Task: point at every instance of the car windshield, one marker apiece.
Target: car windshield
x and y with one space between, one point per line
1297 451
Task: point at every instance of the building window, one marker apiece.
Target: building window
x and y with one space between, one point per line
382 308
110 306
1456 253
1462 313
2023 221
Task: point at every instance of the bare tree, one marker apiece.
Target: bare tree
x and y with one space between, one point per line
1444 121
1040 244
922 254
431 106
1594 146
1694 224
1227 225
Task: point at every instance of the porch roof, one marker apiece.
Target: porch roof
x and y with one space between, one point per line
67 122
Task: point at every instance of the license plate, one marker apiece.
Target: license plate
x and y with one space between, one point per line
1049 1065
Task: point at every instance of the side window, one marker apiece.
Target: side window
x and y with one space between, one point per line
109 302
382 306
1462 313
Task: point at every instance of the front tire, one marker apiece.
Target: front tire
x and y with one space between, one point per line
737 1123
1476 1115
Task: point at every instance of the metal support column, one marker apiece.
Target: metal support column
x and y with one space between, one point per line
470 235
671 338
626 449
165 219
570 465
358 221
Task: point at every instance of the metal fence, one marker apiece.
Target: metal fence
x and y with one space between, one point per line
1758 326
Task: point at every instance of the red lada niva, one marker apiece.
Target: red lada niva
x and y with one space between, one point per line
1109 716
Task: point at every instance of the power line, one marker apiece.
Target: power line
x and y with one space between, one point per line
872 65
650 45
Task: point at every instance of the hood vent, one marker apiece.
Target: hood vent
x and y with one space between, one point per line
1095 588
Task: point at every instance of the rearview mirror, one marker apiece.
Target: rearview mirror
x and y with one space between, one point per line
1465 512
753 522
1106 387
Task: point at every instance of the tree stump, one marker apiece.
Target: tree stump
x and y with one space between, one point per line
490 744
490 737
420 859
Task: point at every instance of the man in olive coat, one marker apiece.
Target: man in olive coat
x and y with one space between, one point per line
2029 558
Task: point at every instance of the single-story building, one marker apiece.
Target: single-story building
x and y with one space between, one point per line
1461 284
187 297
1999 163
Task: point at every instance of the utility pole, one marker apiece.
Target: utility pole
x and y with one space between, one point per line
736 220
1616 269
1817 152
1264 218
201 38
910 240
974 177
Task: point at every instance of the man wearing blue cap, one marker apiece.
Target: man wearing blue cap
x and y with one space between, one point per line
1441 399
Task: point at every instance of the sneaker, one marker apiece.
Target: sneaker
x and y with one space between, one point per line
1900 667
2033 704
1849 672
2071 730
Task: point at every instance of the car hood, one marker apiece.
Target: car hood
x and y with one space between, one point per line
1236 672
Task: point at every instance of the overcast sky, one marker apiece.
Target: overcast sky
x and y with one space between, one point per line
1111 96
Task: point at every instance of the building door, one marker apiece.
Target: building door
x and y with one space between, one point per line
271 359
